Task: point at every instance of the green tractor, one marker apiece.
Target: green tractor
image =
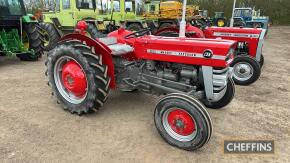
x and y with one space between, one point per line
19 32
103 16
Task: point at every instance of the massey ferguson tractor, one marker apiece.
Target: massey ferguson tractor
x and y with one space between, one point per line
248 53
190 72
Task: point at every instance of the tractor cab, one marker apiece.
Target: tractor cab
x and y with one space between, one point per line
219 19
18 32
244 13
250 18
11 12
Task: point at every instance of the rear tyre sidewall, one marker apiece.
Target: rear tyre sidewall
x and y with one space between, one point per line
35 42
256 70
97 80
134 27
93 32
52 33
77 56
192 107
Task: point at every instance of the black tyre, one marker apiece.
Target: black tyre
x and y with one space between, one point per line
93 32
183 121
246 70
225 100
78 77
134 27
51 35
262 61
33 40
165 25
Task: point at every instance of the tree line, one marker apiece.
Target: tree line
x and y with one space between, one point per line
277 10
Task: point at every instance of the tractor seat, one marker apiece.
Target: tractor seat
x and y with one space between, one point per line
117 48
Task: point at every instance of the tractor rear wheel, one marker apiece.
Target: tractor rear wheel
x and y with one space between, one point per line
51 36
246 70
32 39
165 25
225 100
93 32
183 121
134 27
78 78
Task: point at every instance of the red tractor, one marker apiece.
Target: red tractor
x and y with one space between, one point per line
190 72
248 53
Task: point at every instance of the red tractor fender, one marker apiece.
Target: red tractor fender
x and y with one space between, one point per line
100 49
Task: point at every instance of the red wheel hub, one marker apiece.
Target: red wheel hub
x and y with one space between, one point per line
181 122
74 79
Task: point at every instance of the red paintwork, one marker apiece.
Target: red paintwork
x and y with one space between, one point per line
100 49
120 34
190 45
81 27
181 122
74 79
252 42
209 33
142 44
218 47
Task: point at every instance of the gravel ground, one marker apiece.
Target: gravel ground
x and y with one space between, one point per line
33 128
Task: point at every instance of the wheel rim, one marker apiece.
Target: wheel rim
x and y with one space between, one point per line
179 124
243 71
221 23
70 80
25 40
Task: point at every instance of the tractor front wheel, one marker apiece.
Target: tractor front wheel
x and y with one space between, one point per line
78 77
183 121
33 40
51 35
246 70
225 100
262 60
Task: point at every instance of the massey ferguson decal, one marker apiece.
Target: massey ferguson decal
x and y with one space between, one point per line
206 54
239 35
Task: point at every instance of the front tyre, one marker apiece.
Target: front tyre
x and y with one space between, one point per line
225 100
183 121
262 60
246 70
78 77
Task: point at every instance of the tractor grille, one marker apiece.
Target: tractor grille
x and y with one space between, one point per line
220 78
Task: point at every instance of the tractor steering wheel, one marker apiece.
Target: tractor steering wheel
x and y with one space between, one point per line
140 33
